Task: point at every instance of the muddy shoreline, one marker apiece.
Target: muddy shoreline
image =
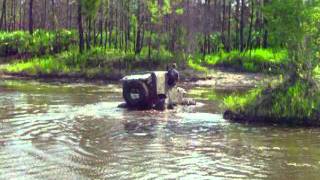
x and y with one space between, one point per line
242 118
215 78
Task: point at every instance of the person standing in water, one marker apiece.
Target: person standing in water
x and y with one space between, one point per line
173 78
173 75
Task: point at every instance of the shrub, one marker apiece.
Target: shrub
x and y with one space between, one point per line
297 102
160 55
196 66
257 60
40 43
240 102
72 61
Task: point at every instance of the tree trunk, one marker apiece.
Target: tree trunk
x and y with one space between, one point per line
149 40
223 22
101 23
31 17
266 33
54 20
139 31
237 45
106 32
68 12
3 15
110 24
229 26
117 27
14 14
128 27
94 34
20 16
89 33
249 43
44 18
10 25
243 3
80 27
258 24
25 14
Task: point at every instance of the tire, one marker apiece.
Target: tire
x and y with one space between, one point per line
136 94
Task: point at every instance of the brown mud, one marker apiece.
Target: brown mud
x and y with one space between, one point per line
219 79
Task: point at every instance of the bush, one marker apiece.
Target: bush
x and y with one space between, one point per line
258 60
40 43
296 103
196 66
72 61
240 103
160 55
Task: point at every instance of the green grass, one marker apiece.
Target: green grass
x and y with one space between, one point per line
316 72
45 65
95 61
90 62
161 55
40 43
296 102
240 102
257 60
196 66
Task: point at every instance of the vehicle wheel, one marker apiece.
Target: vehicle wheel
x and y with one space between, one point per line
136 94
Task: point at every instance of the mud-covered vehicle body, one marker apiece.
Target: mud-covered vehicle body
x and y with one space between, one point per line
151 90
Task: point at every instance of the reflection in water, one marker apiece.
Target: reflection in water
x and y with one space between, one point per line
77 132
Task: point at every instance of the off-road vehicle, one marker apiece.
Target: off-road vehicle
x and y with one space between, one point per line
151 90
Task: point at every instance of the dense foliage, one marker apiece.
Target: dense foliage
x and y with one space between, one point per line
178 26
297 99
94 62
39 43
257 60
297 103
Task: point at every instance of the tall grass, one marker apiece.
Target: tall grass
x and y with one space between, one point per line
240 102
299 101
40 43
94 61
257 60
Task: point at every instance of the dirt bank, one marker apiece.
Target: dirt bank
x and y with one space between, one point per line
267 120
221 79
218 79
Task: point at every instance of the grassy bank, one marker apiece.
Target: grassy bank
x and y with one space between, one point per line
22 44
258 60
293 104
94 63
52 53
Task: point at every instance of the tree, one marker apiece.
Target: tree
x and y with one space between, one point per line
31 16
140 29
3 15
80 27
243 4
296 15
190 26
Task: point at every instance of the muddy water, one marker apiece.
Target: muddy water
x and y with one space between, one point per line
56 131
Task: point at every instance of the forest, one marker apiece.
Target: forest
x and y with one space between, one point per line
160 89
202 32
109 38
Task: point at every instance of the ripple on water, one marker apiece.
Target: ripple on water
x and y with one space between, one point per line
59 132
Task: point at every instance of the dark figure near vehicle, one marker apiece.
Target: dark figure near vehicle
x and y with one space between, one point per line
156 90
173 75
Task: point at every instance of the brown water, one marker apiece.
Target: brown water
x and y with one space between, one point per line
56 131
